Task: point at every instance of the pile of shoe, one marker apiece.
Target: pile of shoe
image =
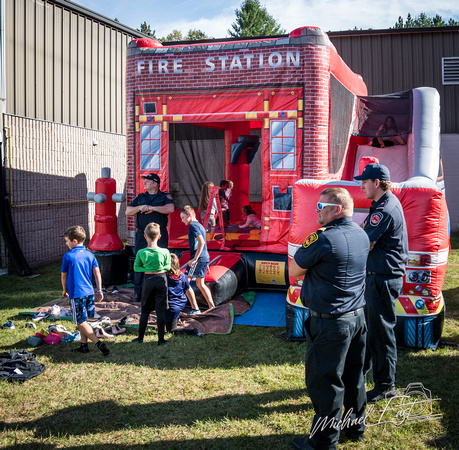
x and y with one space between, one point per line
104 328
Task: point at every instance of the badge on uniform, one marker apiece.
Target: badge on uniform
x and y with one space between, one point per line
310 239
375 219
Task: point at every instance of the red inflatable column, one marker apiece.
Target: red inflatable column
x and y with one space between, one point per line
106 236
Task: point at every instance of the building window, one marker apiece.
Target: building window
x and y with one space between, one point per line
450 70
150 140
283 144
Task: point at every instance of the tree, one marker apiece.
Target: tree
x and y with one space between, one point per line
175 35
423 20
254 20
146 29
195 35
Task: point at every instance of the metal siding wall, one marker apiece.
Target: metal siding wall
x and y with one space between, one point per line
64 67
398 61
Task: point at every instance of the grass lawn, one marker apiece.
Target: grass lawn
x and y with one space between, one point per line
239 391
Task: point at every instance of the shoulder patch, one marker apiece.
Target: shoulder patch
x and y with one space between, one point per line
169 196
310 240
375 219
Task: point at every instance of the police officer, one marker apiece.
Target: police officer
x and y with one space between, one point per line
386 228
151 206
332 261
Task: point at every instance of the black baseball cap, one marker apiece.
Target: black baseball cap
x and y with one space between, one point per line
152 177
374 172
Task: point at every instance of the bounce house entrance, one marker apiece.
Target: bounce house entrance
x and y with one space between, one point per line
200 152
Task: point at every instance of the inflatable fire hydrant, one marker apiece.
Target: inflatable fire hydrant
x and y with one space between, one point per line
106 244
106 236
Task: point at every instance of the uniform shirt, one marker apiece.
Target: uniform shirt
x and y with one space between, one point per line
158 199
196 229
335 257
386 228
152 260
78 263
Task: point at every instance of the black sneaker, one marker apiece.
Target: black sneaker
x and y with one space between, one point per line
81 349
375 395
103 348
138 340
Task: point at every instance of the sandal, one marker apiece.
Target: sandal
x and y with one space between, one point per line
115 329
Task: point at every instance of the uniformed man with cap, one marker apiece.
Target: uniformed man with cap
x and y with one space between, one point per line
152 205
386 229
333 262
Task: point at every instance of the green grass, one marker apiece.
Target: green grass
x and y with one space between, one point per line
239 391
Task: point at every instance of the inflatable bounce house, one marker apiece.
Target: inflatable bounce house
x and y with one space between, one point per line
281 117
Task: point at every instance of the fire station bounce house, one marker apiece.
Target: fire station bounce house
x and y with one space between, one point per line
282 117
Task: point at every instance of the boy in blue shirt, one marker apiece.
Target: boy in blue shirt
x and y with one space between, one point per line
197 265
77 266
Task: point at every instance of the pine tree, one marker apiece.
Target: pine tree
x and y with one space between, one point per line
254 20
423 20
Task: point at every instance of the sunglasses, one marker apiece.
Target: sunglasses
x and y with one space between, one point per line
321 206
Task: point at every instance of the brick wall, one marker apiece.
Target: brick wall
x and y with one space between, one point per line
51 168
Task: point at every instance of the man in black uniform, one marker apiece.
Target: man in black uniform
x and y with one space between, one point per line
332 261
386 229
151 206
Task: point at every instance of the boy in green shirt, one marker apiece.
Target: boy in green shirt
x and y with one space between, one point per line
154 261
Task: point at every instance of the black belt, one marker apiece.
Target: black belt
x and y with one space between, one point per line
334 316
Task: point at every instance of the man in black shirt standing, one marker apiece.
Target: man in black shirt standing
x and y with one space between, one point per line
152 205
386 229
333 261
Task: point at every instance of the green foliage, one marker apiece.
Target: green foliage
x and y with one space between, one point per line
423 20
195 35
254 20
146 29
175 35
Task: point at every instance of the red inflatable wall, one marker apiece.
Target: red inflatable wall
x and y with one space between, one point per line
428 242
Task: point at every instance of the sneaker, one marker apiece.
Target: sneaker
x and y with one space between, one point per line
103 348
64 312
194 311
80 349
39 316
30 325
115 290
8 325
138 340
375 395
55 310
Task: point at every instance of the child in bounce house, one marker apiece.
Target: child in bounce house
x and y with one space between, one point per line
197 265
251 218
202 209
178 290
389 131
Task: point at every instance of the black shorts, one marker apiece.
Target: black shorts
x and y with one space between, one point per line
154 293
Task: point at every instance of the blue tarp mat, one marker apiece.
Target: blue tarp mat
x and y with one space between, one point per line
268 310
